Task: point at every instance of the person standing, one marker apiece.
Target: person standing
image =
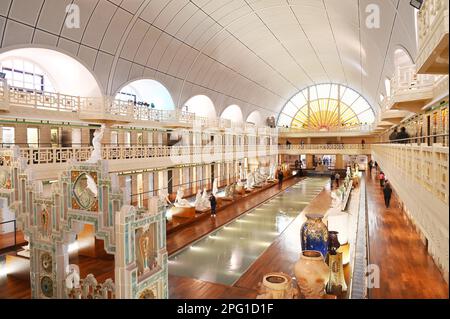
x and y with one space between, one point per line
280 178
382 177
387 192
376 166
213 202
337 178
393 135
370 167
403 136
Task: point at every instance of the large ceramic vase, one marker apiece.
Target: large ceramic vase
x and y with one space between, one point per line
314 234
312 274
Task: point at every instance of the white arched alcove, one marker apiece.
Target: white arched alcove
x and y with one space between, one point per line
67 75
255 118
202 106
402 58
147 91
233 113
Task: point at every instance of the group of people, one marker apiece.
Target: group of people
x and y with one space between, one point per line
399 137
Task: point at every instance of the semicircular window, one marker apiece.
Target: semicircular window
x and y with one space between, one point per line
326 106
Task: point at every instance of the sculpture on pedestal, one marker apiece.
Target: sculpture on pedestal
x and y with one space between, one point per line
97 144
215 188
179 201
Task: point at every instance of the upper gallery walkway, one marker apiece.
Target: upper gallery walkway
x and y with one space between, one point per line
407 271
46 162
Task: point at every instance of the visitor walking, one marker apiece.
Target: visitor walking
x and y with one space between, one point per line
280 178
387 192
213 202
393 135
403 136
370 167
337 177
376 166
382 177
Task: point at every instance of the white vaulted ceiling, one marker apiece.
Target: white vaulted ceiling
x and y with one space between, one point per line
253 53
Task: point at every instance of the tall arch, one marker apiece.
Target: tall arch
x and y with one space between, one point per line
147 91
233 113
201 105
69 76
255 118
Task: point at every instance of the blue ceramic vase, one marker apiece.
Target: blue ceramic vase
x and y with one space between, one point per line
314 234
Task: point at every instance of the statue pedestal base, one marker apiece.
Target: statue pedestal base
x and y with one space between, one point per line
184 212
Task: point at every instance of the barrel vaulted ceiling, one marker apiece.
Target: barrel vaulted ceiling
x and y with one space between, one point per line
253 53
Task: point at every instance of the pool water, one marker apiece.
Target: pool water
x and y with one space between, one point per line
224 255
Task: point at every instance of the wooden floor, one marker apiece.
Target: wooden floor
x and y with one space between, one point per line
406 269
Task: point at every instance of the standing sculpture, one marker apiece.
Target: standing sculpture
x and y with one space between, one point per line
97 144
215 188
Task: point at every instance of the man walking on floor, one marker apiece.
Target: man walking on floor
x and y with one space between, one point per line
387 192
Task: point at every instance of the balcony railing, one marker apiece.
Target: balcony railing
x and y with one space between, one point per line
432 21
59 155
407 81
316 147
106 108
363 128
408 86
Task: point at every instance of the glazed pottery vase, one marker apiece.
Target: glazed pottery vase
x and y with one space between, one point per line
333 242
314 235
312 274
336 285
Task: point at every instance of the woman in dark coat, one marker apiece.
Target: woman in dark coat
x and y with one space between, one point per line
213 201
387 192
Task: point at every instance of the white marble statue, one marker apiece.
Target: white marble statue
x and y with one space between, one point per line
180 201
348 171
250 181
198 199
72 277
241 173
215 188
202 200
335 199
272 172
97 144
259 178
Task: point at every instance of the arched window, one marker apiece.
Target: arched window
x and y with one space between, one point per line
148 93
202 106
325 106
24 74
233 113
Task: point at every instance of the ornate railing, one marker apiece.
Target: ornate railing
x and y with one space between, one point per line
406 80
324 147
104 107
363 128
432 21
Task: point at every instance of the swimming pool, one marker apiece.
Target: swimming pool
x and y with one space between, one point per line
225 254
